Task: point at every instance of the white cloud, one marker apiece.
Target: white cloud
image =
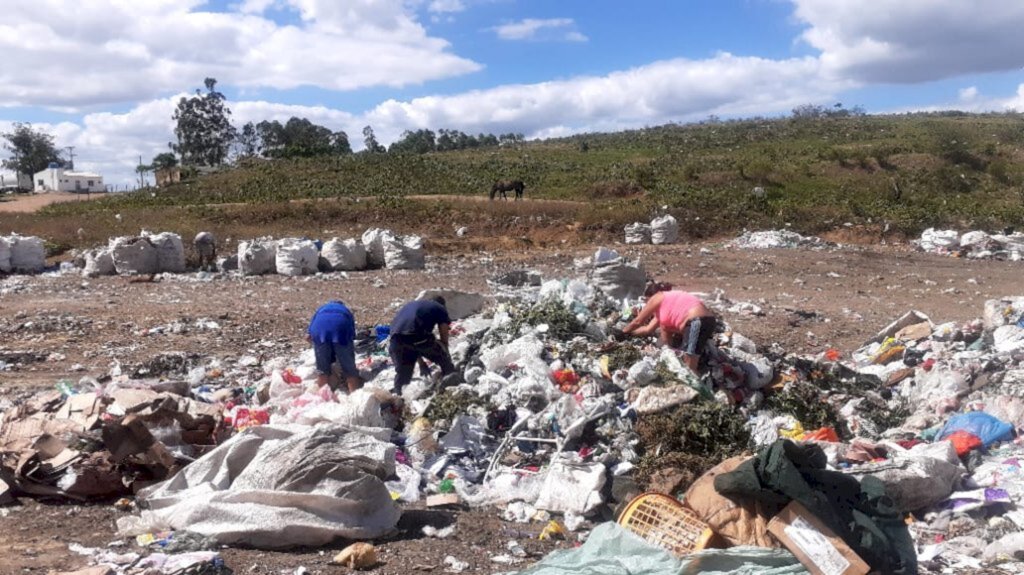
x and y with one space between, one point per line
909 41
537 29
446 6
111 51
968 94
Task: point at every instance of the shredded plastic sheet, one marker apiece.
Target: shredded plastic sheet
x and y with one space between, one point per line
278 486
611 550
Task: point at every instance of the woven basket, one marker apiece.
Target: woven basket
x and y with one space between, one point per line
664 522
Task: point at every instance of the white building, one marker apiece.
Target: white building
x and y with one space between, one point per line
60 180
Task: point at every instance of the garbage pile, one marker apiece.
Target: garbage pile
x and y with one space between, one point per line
974 244
662 230
901 453
777 239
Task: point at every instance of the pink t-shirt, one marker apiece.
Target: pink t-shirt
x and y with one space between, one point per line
675 308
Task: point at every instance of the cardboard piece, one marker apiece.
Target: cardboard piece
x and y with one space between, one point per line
820 550
442 499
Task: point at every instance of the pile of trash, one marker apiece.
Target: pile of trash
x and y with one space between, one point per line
662 230
22 254
901 453
973 244
777 239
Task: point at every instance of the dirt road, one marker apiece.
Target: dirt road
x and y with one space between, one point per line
34 202
67 327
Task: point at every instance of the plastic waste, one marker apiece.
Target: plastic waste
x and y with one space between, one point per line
986 427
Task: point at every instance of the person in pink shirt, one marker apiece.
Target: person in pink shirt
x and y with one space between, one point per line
685 322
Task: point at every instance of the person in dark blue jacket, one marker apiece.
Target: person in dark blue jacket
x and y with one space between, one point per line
412 338
332 331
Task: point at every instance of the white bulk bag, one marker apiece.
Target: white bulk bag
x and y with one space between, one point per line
28 254
638 233
344 255
664 230
5 255
375 240
170 252
406 254
296 257
99 262
257 257
134 256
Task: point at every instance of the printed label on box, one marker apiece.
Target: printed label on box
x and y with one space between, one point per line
817 547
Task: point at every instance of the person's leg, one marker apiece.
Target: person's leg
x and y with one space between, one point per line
324 354
435 352
346 355
694 343
404 360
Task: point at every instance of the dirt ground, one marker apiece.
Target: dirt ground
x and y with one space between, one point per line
63 326
25 203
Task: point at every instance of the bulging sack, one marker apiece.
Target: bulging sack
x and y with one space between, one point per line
28 254
619 279
5 256
664 230
406 254
170 252
296 257
638 233
134 256
375 240
99 262
257 257
344 255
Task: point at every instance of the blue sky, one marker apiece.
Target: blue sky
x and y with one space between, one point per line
105 76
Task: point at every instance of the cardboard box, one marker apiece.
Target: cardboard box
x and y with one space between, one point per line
816 546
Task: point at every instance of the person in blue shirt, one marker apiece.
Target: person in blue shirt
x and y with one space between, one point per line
412 338
332 331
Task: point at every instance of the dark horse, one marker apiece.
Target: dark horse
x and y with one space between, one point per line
502 186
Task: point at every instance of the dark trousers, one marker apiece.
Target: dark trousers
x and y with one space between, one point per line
407 349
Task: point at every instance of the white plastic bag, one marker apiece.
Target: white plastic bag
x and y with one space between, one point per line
405 254
296 257
572 487
5 255
170 252
664 230
99 262
344 255
619 279
257 257
375 240
134 256
638 233
933 240
28 254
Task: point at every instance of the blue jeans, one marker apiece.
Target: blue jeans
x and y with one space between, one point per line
329 352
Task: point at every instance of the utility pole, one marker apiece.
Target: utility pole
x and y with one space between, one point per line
71 157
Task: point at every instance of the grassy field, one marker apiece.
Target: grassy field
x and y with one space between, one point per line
895 173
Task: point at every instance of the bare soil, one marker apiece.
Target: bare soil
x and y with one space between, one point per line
34 202
812 300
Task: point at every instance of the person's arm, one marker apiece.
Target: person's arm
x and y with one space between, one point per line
646 330
644 319
309 328
444 330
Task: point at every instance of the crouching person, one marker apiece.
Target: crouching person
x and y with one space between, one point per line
332 332
685 323
206 248
412 338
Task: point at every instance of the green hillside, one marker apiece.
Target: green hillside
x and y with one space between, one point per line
909 172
